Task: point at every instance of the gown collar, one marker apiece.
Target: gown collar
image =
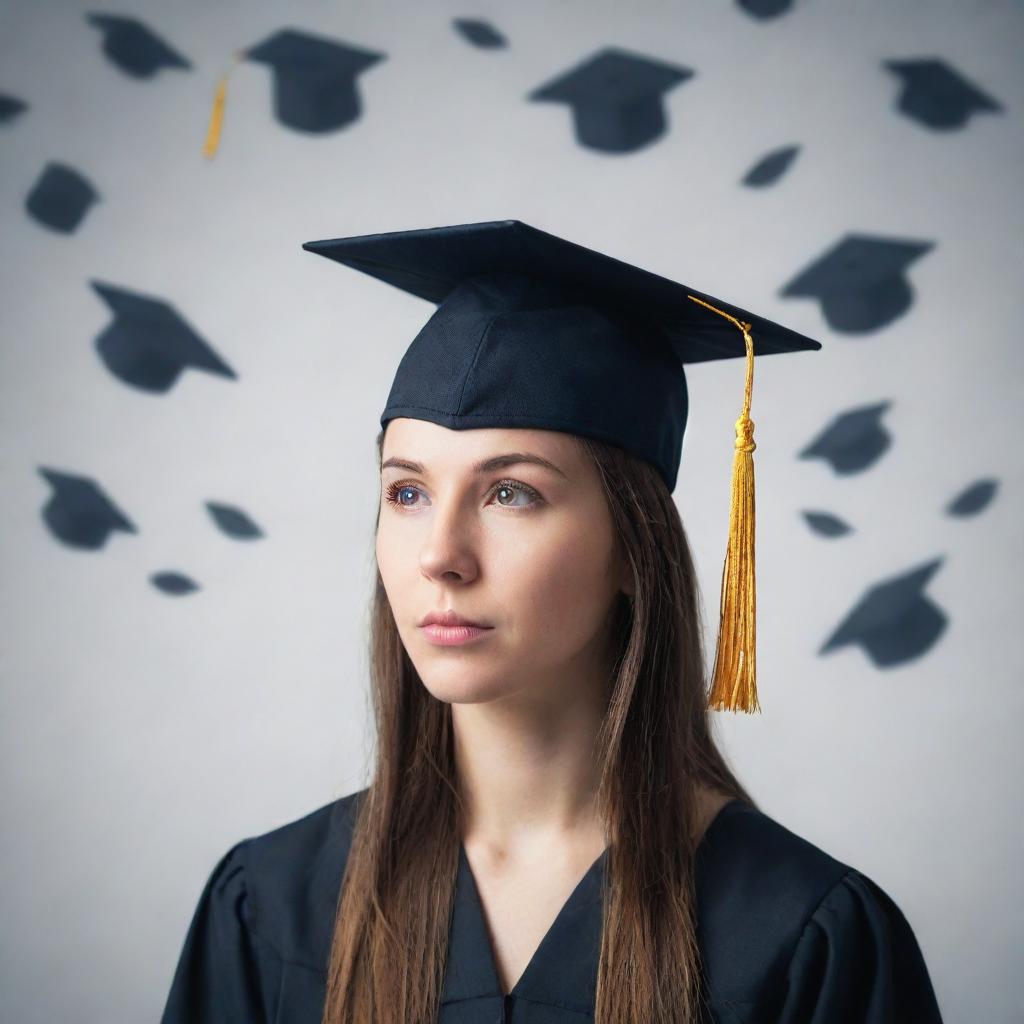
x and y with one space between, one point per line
563 969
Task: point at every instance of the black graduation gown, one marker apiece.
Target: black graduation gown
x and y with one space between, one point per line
787 934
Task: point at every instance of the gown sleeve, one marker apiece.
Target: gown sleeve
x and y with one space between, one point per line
858 962
217 976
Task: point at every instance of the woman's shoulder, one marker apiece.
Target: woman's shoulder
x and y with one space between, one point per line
783 924
263 923
755 876
743 846
293 874
313 834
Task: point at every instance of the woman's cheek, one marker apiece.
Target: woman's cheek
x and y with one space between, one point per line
562 585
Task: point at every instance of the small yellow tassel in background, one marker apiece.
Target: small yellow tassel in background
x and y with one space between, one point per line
734 681
217 114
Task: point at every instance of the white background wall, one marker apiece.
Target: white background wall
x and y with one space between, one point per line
142 734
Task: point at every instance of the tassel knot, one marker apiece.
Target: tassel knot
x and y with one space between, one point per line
745 434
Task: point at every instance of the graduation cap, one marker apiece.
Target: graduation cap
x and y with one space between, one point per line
825 524
860 282
480 33
79 513
532 330
771 167
233 521
894 621
853 441
765 8
169 581
60 198
616 98
148 344
937 95
134 47
973 499
314 82
11 107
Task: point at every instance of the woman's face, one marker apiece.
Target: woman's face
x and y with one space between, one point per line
526 549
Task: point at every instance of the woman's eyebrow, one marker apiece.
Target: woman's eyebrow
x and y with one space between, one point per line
486 466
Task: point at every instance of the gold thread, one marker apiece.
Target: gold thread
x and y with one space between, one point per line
734 679
213 132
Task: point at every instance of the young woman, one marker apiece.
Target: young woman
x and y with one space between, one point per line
550 834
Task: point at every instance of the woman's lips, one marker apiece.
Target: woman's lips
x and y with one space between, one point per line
452 636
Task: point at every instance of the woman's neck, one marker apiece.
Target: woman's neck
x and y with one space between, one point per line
527 771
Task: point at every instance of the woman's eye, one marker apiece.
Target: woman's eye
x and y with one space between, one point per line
397 495
503 490
511 488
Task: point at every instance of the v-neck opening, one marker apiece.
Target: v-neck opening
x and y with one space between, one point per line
531 968
524 976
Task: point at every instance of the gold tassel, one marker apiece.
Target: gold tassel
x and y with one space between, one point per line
734 681
217 114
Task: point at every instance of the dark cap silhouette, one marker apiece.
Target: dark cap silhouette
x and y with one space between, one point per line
860 282
148 344
617 98
133 47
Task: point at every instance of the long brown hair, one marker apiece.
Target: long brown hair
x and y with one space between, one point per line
387 958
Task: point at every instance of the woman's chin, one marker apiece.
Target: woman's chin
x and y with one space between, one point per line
455 688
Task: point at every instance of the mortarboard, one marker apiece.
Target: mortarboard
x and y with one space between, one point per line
861 281
134 47
233 521
771 167
11 107
825 524
480 33
148 343
60 198
532 330
314 82
894 621
765 8
936 95
854 441
616 98
172 582
79 513
974 499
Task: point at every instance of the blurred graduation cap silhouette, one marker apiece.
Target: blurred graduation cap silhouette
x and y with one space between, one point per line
936 95
973 499
60 197
79 513
860 282
480 33
533 330
825 524
133 47
853 441
765 8
148 344
771 167
616 98
11 107
170 581
894 621
232 521
314 82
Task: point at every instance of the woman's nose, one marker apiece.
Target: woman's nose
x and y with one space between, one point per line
450 545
